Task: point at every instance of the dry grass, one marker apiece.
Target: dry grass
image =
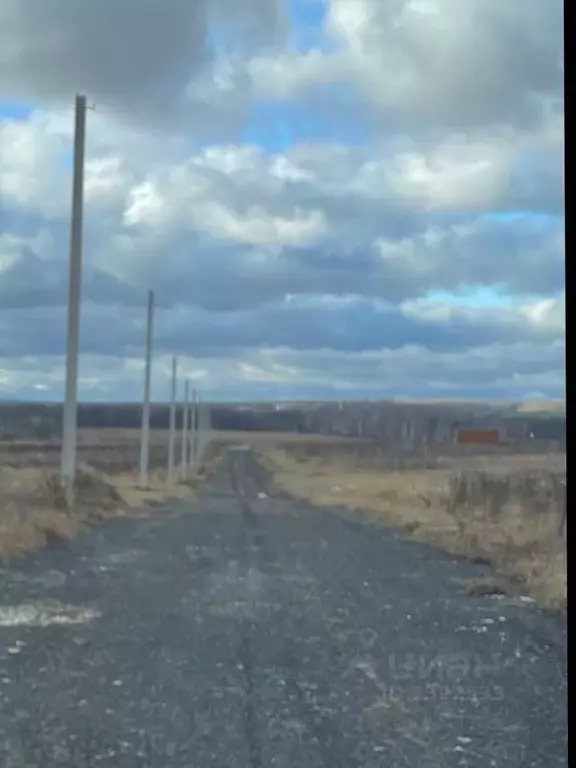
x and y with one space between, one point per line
33 510
112 451
514 520
279 439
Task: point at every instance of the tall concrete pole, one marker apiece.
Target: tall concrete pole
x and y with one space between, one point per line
185 430
198 428
193 427
172 435
69 426
145 430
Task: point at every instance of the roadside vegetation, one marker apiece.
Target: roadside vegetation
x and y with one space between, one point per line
509 512
33 510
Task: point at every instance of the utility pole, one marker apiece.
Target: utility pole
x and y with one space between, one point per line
193 427
198 428
145 430
69 426
172 435
185 430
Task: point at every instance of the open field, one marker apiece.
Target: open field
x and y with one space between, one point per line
497 503
109 450
508 510
117 451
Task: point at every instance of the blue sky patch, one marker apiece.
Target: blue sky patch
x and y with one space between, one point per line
307 32
473 297
308 25
14 110
532 216
276 126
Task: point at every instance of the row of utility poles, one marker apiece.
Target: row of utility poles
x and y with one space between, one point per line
190 408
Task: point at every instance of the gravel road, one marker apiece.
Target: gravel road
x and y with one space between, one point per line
239 629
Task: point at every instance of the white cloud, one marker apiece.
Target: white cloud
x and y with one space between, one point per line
257 227
431 63
30 167
232 225
544 317
547 313
145 205
105 177
457 174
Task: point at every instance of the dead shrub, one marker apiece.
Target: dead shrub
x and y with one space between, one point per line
23 527
532 500
34 511
50 492
412 526
94 492
517 522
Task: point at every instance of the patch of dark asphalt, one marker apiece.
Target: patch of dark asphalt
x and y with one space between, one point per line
235 629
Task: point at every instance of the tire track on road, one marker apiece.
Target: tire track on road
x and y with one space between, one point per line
246 653
325 740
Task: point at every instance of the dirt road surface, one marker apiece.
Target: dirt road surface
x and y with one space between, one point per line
239 629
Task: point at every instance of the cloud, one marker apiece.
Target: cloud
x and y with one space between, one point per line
137 57
30 167
429 64
344 325
309 266
494 372
259 225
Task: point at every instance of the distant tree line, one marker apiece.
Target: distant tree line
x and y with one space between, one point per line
406 424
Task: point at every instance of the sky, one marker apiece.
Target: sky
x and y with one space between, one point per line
330 198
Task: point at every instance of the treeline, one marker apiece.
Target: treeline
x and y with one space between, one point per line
403 423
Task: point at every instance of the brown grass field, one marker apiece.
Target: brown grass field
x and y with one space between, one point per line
505 509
